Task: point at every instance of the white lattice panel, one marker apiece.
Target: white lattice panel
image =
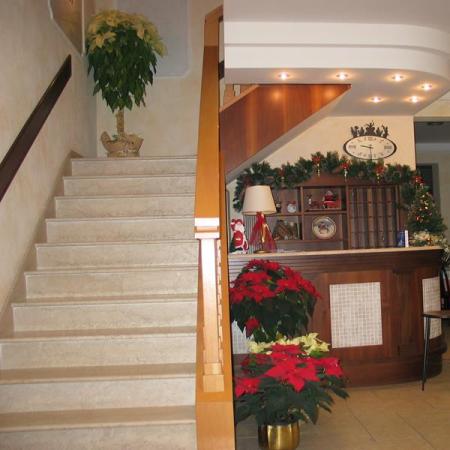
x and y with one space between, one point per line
432 302
239 339
355 315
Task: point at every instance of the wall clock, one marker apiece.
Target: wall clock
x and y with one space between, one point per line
370 143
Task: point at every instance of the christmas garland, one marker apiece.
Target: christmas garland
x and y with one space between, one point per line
289 176
422 213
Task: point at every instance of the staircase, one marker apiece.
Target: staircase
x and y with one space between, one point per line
102 348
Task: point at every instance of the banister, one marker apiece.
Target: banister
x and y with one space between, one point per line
27 135
214 393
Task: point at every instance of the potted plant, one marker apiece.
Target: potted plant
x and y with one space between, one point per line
268 299
122 52
284 382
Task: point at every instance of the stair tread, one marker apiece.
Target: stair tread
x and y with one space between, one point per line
95 373
41 420
140 158
15 336
164 175
119 218
106 243
123 269
122 196
148 298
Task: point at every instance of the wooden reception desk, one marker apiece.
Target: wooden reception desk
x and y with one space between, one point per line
371 307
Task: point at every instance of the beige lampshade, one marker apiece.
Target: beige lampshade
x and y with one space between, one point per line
258 199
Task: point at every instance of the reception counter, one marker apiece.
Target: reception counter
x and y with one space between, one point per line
370 308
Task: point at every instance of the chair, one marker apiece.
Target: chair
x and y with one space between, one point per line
444 314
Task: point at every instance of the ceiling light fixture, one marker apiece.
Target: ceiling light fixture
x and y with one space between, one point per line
398 77
376 99
283 76
342 75
414 99
427 86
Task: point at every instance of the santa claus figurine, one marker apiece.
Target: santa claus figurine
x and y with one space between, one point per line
239 242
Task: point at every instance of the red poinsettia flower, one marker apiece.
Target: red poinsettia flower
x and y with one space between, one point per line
260 291
331 366
254 277
289 284
287 371
246 386
251 326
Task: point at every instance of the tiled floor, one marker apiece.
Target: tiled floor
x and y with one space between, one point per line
399 417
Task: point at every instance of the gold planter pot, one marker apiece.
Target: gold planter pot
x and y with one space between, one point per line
279 437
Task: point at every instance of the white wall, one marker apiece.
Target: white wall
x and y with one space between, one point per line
32 50
169 122
330 134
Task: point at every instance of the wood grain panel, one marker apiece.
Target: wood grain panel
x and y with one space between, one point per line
268 112
400 274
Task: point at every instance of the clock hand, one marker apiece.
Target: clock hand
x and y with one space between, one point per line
367 146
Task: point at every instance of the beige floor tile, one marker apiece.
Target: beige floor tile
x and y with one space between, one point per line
394 417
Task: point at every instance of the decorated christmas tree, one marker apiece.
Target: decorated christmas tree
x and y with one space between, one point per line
423 214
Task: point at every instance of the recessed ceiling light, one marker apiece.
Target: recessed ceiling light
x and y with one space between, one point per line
376 99
284 76
414 99
342 75
427 86
398 77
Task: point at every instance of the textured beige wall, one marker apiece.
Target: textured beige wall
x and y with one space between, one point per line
32 50
439 109
330 134
169 122
439 154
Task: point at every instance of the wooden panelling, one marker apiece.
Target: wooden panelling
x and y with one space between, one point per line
400 274
214 390
268 112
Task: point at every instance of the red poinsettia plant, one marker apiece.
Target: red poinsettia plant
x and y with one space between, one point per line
287 382
268 299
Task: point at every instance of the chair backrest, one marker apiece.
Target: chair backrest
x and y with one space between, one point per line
445 289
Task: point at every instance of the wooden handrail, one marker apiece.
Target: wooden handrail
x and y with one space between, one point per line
27 135
214 393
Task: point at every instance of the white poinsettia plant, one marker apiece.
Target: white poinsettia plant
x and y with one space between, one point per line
424 238
310 344
122 51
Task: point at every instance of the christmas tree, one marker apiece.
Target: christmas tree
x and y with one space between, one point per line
423 214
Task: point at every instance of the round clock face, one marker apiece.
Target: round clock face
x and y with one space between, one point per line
370 147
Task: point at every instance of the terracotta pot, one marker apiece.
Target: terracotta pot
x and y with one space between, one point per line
279 437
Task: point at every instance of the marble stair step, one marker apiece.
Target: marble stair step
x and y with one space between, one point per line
111 282
116 254
156 428
76 348
119 229
134 166
147 298
43 315
96 387
129 184
124 206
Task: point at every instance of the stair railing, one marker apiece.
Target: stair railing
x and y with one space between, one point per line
27 135
214 391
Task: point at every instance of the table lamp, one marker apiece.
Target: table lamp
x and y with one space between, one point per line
258 201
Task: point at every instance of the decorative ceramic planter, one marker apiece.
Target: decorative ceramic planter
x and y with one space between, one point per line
279 437
124 146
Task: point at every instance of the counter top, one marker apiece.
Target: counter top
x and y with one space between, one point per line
336 252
